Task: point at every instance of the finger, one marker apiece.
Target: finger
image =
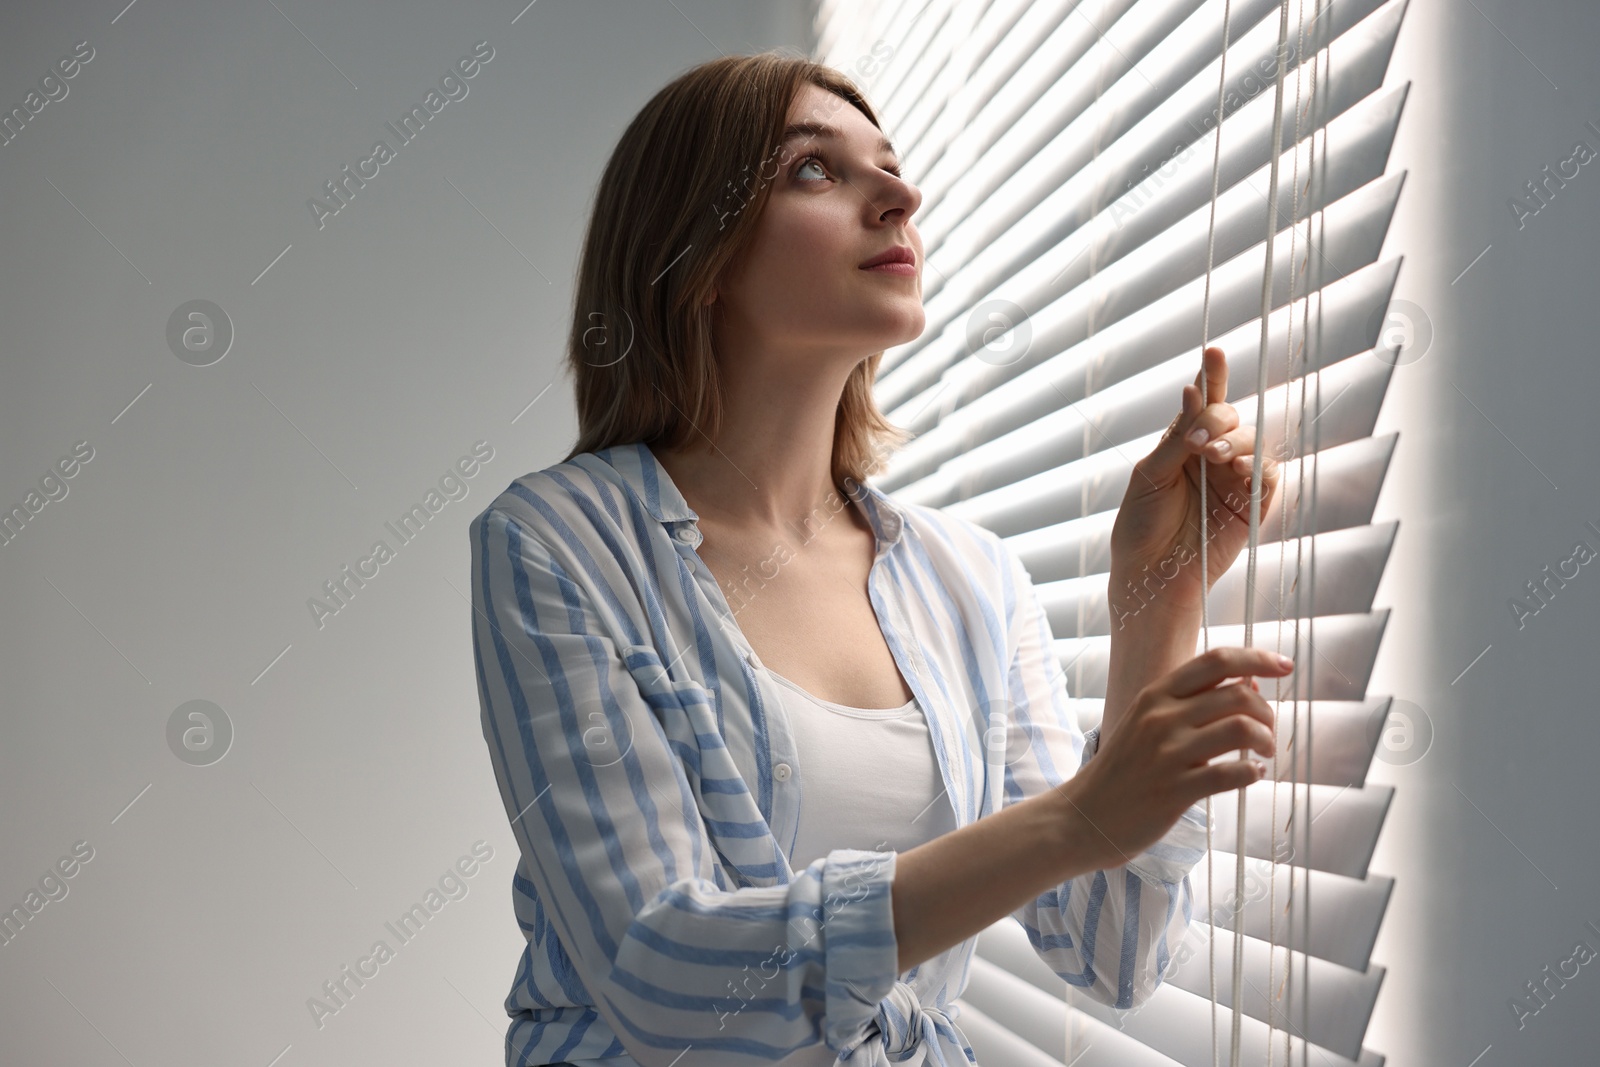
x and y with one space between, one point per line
1229 734
1237 698
1213 375
1239 440
1222 777
1230 479
1271 474
1228 701
1221 663
1237 472
1168 457
1213 423
1271 469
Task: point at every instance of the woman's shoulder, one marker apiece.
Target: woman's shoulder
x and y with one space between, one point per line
973 544
961 553
580 497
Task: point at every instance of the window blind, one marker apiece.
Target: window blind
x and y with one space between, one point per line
1064 150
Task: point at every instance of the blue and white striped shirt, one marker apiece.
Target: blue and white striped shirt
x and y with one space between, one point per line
652 783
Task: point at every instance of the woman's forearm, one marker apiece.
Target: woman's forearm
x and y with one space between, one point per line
1038 843
1145 646
1025 848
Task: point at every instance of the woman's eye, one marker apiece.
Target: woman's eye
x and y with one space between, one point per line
809 161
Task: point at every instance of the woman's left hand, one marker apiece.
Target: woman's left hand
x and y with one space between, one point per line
1158 525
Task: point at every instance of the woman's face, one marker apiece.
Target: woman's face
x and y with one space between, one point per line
798 290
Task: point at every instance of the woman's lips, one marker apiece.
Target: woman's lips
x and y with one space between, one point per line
907 269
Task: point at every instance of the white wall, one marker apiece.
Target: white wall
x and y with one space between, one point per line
1492 835
367 360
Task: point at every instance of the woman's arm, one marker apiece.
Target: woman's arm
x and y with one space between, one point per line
1156 586
1144 647
941 899
1109 931
1084 923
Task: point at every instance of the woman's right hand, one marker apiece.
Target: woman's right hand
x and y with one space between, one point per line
1157 762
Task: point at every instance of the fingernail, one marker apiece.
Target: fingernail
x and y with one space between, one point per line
1221 448
1198 437
1285 662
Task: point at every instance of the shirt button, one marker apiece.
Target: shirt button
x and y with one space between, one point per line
781 772
754 661
685 534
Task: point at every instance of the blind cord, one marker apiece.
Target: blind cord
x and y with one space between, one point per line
1205 609
1288 381
1255 509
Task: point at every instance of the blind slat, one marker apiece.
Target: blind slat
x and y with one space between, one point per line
1121 81
1344 920
1352 390
1097 484
1041 256
1349 565
1350 234
1175 1021
995 1042
1036 1015
1343 735
1342 842
1345 998
1026 48
1344 648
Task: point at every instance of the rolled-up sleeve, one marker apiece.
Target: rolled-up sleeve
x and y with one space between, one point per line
616 846
1109 931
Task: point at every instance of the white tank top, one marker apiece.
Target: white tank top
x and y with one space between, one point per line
870 780
869 777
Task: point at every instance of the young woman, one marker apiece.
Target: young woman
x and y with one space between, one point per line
774 746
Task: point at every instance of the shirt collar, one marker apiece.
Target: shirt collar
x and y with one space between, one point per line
643 473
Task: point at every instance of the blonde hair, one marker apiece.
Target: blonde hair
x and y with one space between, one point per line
678 200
